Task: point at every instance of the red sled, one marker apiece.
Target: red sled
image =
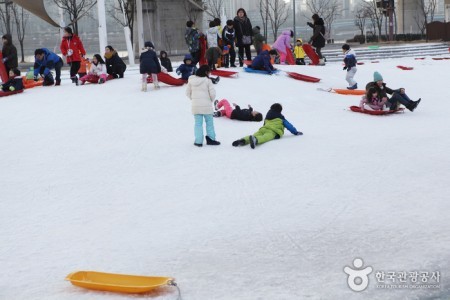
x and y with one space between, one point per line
290 60
223 73
247 62
375 112
309 50
303 77
202 42
3 73
419 58
9 93
359 63
167 79
405 68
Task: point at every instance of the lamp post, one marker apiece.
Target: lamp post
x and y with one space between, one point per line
295 27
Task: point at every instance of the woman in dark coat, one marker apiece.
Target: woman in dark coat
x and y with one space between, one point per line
115 67
9 52
244 33
318 38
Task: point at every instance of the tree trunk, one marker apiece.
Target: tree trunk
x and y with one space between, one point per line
21 50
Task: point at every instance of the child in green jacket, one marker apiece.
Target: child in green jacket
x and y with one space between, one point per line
273 128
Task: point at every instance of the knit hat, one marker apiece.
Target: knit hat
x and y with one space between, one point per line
187 57
377 77
277 107
149 45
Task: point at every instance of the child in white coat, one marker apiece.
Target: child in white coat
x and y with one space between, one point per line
97 71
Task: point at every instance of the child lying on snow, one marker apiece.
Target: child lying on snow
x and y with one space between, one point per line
14 82
237 113
273 128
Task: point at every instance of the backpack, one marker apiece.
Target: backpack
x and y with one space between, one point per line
192 39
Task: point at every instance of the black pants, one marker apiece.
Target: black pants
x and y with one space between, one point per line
248 54
116 71
195 57
74 67
299 61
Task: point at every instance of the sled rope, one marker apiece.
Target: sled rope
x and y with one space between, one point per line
173 283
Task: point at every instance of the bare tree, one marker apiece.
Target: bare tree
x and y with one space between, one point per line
5 15
193 10
21 20
76 9
123 12
214 7
375 15
328 10
274 12
263 11
425 14
360 18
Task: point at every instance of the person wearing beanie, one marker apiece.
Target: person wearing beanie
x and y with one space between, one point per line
317 40
72 48
14 83
192 37
228 38
350 66
398 96
274 125
200 90
223 108
149 65
187 68
283 45
299 53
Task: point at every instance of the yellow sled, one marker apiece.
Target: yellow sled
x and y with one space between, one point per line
117 282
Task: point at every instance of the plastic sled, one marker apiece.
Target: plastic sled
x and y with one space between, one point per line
375 61
250 70
223 73
9 93
405 68
419 58
349 92
3 73
28 84
247 62
375 112
167 79
311 53
120 283
359 63
290 60
203 47
303 77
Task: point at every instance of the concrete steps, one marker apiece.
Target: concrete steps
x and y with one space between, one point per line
383 52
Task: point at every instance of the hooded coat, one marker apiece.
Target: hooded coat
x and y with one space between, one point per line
114 63
73 43
165 61
202 94
212 36
9 52
318 37
283 41
242 27
149 63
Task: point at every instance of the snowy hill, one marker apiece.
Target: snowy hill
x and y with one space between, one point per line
107 178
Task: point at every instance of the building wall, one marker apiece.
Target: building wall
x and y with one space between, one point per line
407 16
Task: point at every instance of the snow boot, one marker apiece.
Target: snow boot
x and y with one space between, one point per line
144 87
253 142
198 145
321 62
237 143
216 102
101 80
353 87
57 82
74 80
215 80
217 114
211 142
413 105
156 85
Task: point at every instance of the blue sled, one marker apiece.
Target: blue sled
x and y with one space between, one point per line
250 70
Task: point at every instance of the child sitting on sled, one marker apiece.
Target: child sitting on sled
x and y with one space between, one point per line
273 128
237 113
14 83
371 101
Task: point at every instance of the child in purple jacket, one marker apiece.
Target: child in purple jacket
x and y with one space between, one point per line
283 44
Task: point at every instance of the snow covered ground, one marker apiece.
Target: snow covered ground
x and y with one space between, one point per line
106 178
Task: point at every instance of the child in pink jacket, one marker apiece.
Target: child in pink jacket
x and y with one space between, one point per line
97 71
283 44
371 101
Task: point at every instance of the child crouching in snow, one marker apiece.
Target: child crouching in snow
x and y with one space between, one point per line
149 64
371 100
273 128
97 71
237 113
14 83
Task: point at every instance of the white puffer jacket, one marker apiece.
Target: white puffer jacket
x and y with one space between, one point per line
202 93
98 69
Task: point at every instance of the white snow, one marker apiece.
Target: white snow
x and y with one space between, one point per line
106 178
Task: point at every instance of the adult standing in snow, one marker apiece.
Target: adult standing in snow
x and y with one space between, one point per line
72 48
115 66
200 90
283 44
9 52
398 95
244 33
317 40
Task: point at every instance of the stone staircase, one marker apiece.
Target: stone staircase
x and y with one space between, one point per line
390 51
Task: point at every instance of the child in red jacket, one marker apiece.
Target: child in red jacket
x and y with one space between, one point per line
72 48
